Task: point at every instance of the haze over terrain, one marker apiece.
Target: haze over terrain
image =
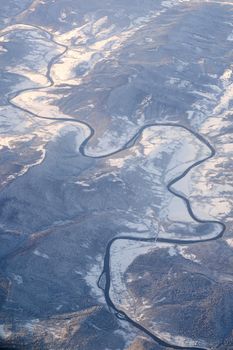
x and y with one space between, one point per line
116 163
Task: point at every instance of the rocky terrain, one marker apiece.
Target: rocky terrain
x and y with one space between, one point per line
116 174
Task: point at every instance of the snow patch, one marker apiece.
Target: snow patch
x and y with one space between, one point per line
42 255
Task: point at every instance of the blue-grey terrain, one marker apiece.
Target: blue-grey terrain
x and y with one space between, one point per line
116 163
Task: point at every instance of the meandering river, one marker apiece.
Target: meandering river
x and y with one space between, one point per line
105 279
